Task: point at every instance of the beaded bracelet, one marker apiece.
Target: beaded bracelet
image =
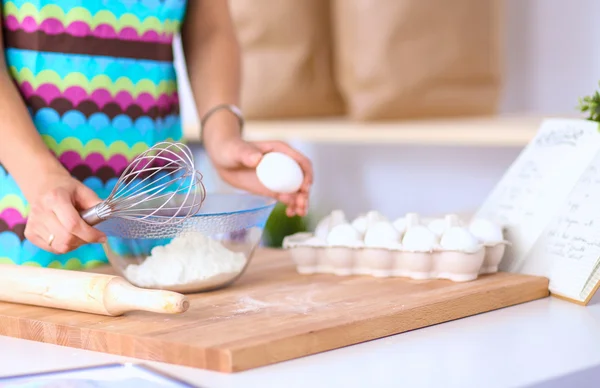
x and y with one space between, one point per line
230 107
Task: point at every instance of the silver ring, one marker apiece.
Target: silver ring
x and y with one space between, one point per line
50 240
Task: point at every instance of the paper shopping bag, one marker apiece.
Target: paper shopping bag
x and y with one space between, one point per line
399 59
287 58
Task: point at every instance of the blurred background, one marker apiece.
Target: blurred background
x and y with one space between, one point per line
370 62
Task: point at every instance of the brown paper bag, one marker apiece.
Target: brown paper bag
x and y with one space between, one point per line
399 59
287 58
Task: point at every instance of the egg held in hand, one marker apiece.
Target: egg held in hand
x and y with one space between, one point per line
280 173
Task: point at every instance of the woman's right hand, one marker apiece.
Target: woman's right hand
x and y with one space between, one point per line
54 223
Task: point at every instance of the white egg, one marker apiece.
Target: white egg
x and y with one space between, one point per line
419 239
338 217
486 231
400 224
374 216
360 223
280 173
364 221
382 235
412 219
458 238
324 226
344 235
438 226
314 242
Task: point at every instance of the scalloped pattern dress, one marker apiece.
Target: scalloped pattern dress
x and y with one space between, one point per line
98 79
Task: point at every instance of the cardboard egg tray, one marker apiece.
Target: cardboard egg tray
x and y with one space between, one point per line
456 266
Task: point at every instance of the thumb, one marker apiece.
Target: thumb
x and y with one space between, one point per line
85 197
249 155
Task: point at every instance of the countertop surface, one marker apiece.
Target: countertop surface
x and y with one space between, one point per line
511 347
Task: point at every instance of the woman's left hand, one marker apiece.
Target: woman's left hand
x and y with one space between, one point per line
236 159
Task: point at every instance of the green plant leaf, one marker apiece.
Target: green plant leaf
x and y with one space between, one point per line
280 225
590 105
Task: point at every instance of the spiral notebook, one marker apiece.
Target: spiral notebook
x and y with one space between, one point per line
549 202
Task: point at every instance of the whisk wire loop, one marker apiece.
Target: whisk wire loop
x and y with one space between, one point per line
160 186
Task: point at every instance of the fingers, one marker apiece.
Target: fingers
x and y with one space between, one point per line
249 155
237 159
64 241
36 233
243 153
55 215
289 200
72 223
236 153
85 197
44 230
301 204
297 204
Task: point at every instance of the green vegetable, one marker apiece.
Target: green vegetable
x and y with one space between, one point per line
280 225
591 105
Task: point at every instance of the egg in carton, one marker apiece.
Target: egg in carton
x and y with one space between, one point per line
492 237
407 247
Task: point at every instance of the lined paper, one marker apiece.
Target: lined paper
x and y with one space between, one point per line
572 240
537 185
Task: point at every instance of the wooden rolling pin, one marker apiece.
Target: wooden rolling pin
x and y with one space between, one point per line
83 291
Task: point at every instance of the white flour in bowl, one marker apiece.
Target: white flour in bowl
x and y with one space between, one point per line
187 259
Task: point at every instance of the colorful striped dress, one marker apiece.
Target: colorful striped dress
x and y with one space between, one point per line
98 79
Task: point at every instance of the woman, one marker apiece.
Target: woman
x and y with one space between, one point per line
85 86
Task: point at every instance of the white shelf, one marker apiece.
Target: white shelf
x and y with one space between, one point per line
499 131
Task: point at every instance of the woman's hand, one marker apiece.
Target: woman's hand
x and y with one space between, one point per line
54 223
235 160
212 55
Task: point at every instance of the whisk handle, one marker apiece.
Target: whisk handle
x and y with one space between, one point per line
90 216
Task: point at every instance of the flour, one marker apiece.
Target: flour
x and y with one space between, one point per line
296 303
187 259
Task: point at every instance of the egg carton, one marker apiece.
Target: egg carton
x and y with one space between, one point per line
312 255
385 262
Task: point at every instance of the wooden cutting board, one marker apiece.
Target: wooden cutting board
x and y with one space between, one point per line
273 314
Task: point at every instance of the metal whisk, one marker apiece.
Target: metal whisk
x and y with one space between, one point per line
159 186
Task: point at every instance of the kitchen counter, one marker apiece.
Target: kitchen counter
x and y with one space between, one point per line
512 347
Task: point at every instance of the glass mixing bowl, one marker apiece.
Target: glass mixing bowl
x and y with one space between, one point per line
209 250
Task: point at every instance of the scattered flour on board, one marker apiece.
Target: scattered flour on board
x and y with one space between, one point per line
292 301
187 259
